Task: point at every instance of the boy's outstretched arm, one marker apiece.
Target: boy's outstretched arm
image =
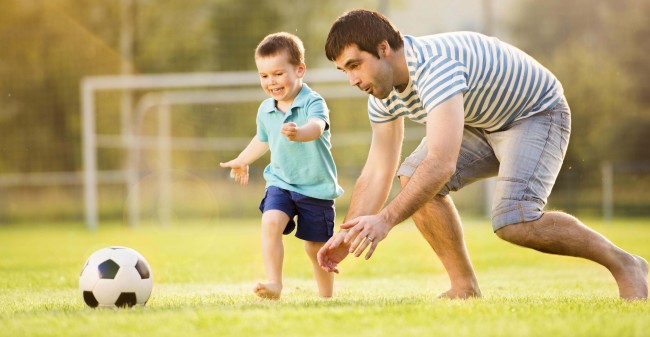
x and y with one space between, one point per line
239 166
308 132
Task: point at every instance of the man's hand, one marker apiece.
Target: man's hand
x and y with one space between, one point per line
333 252
290 130
238 171
366 231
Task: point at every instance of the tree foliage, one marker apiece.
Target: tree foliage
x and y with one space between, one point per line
598 49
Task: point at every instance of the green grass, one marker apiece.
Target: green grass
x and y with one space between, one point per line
203 276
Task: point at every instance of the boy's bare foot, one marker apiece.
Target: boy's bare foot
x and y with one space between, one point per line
270 291
632 280
460 294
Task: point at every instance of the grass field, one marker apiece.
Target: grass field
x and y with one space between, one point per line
203 276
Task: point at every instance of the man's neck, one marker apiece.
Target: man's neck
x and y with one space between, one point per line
400 71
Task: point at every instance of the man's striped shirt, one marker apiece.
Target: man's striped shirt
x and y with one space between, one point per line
500 83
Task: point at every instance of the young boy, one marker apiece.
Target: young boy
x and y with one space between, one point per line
301 178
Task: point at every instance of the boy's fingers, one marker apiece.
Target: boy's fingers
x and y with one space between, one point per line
338 240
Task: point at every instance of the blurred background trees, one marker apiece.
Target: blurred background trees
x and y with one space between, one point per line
597 48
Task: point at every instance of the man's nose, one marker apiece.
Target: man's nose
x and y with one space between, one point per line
354 80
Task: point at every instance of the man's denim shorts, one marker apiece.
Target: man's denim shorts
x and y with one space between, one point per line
315 216
525 156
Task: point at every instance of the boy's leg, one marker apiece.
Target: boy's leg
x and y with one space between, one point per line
315 227
273 224
324 279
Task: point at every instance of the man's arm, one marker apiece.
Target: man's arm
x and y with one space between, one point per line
444 137
372 187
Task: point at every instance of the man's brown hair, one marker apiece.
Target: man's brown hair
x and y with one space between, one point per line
367 29
278 42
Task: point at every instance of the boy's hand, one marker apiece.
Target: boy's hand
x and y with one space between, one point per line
290 130
333 252
238 171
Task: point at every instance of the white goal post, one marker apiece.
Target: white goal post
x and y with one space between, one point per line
158 94
167 90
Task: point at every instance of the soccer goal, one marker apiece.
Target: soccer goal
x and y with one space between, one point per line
149 128
158 94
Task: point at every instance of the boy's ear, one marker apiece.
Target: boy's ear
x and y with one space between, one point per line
301 69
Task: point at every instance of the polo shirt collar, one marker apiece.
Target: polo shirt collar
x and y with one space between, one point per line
269 104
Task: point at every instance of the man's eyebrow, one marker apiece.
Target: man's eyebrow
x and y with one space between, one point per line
347 64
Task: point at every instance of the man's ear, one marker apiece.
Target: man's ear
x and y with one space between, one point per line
383 49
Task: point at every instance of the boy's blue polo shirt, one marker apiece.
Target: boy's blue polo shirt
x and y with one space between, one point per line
304 167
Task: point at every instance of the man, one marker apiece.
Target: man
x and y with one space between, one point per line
489 109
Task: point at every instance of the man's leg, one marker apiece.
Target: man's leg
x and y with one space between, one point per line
439 223
563 234
531 152
438 220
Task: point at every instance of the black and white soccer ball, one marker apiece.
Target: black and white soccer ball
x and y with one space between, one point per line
116 277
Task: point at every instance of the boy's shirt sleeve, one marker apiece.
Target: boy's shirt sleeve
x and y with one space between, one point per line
317 108
262 133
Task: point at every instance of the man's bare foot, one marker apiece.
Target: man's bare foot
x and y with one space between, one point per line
632 280
270 291
460 294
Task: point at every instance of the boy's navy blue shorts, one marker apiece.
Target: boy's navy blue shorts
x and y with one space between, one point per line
315 216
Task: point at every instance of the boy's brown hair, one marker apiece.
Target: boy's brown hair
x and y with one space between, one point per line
276 43
367 29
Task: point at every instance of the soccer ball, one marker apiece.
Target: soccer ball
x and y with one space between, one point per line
115 277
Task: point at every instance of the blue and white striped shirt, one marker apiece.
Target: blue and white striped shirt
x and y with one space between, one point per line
500 83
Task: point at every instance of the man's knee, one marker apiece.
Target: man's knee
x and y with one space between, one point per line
508 212
508 233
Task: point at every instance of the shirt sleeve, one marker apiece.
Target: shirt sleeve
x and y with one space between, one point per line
378 111
317 108
262 133
440 78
